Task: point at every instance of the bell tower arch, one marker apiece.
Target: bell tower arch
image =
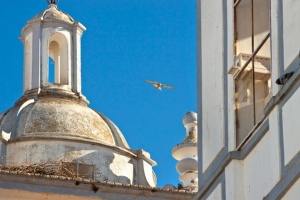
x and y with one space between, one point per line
58 51
52 34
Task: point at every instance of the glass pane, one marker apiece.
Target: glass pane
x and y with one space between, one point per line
244 103
261 14
253 83
262 76
243 28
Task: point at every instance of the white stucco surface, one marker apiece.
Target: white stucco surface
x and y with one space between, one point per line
262 167
234 180
148 173
293 192
216 194
109 164
291 30
27 80
212 80
290 128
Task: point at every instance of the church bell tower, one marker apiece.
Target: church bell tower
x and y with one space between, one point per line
52 45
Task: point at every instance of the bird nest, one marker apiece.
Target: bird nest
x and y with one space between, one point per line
47 168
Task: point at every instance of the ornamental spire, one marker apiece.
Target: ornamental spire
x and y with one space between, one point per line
55 2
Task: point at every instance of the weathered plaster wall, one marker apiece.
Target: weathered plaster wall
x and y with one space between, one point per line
2 152
27 79
290 31
212 80
110 164
290 126
63 117
293 192
36 61
216 194
235 180
262 167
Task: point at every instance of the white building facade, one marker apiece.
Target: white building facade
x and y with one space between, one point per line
249 130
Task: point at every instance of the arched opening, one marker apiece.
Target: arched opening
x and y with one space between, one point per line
51 70
54 62
58 52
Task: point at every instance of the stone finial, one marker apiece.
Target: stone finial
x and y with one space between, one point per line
52 2
186 154
190 123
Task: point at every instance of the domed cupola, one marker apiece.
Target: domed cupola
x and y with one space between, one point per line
52 43
52 122
53 13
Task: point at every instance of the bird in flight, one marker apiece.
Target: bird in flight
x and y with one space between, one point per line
159 85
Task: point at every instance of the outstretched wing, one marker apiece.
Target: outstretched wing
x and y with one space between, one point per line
168 87
152 82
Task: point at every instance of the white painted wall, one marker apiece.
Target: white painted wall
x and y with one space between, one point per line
234 180
291 31
262 167
109 163
216 194
212 80
290 126
293 192
27 63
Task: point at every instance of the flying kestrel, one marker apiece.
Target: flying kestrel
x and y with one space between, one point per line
159 85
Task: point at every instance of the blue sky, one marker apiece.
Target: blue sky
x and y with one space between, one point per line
126 42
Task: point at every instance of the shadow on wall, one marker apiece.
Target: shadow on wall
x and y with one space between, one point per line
3 151
103 166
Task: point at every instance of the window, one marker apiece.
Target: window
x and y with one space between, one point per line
252 63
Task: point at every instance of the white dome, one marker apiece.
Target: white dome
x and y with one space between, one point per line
53 13
55 113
